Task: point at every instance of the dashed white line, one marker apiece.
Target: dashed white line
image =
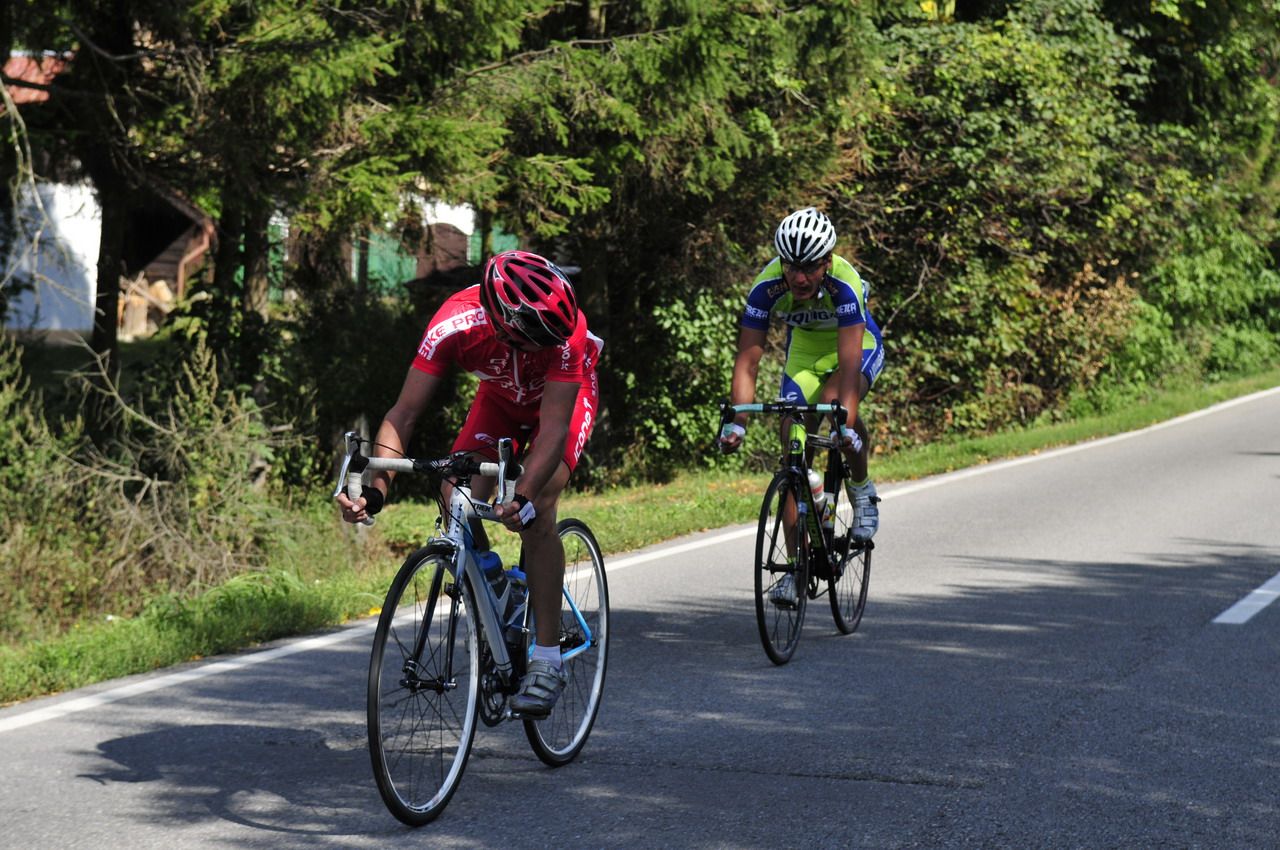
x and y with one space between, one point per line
1243 610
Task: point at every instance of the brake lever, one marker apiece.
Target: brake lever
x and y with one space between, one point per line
351 474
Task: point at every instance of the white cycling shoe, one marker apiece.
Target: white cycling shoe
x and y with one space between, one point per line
783 594
539 690
866 514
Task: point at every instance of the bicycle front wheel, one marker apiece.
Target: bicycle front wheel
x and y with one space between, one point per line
584 645
847 588
780 557
423 687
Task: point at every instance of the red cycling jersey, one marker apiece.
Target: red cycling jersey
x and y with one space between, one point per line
460 334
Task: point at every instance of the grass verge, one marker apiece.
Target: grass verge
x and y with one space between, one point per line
336 575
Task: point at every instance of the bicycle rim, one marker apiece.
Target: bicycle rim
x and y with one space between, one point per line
584 644
423 688
779 625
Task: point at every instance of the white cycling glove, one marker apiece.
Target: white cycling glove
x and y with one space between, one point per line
732 428
852 435
527 512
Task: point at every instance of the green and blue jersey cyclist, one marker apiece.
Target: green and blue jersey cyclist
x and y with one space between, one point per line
834 350
520 331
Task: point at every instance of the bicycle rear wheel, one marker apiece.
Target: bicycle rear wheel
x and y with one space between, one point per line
584 644
780 623
847 588
423 687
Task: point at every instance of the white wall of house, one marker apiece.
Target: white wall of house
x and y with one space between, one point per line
437 212
57 247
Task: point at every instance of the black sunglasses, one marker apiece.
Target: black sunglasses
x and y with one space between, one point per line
804 268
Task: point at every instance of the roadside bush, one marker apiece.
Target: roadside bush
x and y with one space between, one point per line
41 490
1004 211
175 500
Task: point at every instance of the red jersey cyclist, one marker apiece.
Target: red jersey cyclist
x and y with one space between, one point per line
520 331
834 348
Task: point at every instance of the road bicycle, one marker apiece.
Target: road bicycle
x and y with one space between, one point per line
453 640
804 537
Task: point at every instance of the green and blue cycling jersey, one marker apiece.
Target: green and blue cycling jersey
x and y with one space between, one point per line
812 325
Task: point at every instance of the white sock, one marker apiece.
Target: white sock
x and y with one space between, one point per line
549 654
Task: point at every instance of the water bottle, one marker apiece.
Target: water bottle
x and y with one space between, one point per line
513 615
819 499
491 565
815 486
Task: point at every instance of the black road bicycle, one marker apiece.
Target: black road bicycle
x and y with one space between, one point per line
803 548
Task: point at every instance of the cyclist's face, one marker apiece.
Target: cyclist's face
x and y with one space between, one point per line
804 279
514 340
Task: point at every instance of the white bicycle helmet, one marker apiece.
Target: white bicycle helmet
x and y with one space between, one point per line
804 237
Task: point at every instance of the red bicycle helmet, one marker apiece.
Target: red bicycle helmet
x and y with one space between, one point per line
526 297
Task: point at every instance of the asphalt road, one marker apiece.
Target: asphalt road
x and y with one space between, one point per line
1052 656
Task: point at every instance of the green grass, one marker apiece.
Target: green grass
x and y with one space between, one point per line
334 574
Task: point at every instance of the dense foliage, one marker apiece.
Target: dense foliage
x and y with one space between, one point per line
1057 203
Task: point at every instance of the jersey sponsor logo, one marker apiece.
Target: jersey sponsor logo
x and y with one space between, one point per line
846 309
777 290
447 328
580 441
808 317
756 312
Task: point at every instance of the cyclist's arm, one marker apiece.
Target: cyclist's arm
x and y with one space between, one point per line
554 414
394 434
742 390
849 354
746 366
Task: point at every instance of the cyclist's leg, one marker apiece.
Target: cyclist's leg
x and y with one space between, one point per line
543 552
801 383
861 490
544 562
857 460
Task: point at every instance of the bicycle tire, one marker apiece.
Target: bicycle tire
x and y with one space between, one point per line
560 736
847 589
779 625
422 716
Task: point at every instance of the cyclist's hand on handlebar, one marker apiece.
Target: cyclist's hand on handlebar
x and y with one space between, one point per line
352 511
517 514
361 509
850 439
731 437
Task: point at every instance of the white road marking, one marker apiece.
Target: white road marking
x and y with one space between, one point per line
61 709
1246 608
1243 610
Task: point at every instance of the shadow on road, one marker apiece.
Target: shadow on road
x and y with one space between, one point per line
1049 697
